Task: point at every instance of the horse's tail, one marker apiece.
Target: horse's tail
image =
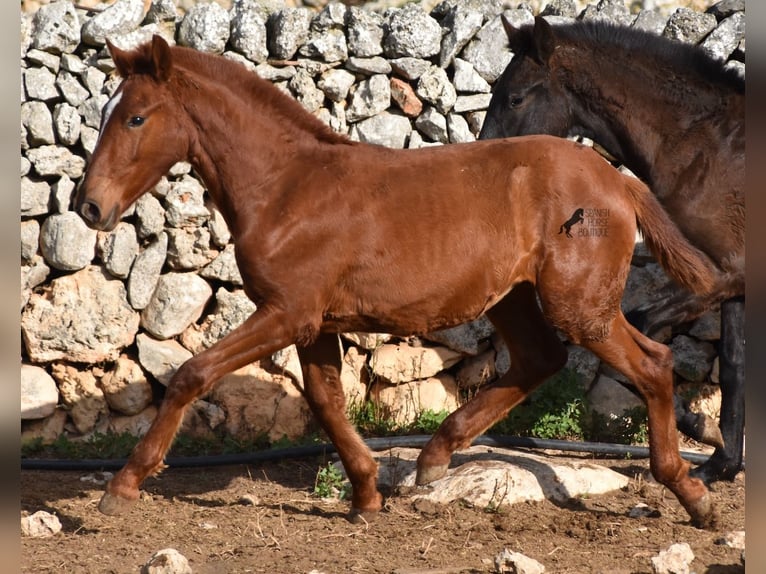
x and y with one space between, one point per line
689 266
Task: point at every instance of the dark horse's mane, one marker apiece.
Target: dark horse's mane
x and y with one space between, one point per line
252 88
688 59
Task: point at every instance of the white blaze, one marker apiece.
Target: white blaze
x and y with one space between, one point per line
108 109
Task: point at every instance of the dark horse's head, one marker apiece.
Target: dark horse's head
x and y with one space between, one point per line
527 98
140 139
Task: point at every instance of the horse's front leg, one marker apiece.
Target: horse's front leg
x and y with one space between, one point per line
263 333
321 362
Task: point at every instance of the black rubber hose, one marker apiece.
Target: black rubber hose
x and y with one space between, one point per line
416 441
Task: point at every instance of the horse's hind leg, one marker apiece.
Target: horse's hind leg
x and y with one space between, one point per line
726 462
650 366
321 362
536 353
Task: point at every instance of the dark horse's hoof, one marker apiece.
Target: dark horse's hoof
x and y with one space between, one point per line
717 467
114 505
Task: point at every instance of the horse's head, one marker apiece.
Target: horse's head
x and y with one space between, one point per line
527 98
142 135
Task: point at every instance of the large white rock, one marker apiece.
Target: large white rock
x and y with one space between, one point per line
39 394
404 363
177 301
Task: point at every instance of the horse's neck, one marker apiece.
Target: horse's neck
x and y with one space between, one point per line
238 145
617 106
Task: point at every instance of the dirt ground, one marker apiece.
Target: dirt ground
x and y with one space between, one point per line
200 513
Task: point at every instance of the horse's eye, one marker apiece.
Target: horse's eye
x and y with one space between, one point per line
515 101
136 121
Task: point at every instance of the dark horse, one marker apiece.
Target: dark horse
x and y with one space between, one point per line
676 118
333 235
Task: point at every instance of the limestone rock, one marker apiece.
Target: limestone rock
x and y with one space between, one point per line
205 27
161 358
66 242
675 560
83 317
404 363
167 561
403 403
81 395
125 387
410 32
119 18
39 394
177 301
41 524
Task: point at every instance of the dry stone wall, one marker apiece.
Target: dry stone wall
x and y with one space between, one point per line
107 318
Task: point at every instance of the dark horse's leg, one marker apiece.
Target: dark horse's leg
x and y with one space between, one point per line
727 461
536 353
321 362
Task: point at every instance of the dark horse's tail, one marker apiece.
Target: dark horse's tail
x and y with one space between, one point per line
689 266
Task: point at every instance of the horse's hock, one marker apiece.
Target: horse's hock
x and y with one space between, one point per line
106 318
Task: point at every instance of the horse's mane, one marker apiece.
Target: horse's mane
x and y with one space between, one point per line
687 59
249 86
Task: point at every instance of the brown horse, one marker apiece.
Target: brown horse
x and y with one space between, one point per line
676 118
333 235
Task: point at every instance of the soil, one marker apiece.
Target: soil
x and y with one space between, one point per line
202 514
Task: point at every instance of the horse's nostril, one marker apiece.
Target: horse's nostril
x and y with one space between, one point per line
90 212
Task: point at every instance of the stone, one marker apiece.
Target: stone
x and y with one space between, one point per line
205 27
687 25
370 98
722 41
150 216
46 430
354 376
66 120
458 129
410 68
231 310
433 125
223 267
35 196
82 317
30 239
692 359
145 272
468 338
405 98
219 230
185 203
288 30
41 524
81 395
403 363
71 88
517 563
248 30
584 363
565 8
610 399
305 91
488 50
676 559
476 371
56 28
460 23
61 194
611 11
52 160
404 402
136 425
39 394
177 301
335 84
434 87
40 84
367 341
467 79
189 248
472 103
707 327
733 539
161 358
37 119
118 249
66 242
650 21
125 387
327 39
410 32
364 29
259 403
119 18
167 561
368 66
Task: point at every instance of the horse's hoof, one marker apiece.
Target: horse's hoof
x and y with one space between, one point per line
704 513
357 516
112 505
428 474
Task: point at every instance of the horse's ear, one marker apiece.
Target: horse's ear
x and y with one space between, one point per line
545 43
517 39
121 60
161 58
